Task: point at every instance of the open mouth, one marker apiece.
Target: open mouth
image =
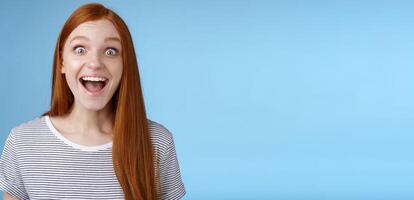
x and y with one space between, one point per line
93 84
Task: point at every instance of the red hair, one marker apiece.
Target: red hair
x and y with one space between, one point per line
132 152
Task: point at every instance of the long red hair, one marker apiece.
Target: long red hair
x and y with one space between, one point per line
132 151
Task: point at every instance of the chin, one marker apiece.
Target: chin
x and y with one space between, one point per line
94 106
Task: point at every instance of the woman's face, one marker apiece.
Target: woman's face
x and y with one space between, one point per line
92 63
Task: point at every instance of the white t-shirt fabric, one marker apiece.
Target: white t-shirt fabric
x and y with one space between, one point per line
38 162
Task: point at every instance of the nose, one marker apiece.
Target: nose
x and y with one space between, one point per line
94 61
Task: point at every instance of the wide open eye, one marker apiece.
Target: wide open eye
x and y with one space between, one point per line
111 52
79 50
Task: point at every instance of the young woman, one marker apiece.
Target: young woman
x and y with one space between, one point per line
95 142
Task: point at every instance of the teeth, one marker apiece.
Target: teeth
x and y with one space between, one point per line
91 78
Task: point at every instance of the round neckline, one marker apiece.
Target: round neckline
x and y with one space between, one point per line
73 144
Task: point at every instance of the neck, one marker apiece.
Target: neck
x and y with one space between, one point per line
89 122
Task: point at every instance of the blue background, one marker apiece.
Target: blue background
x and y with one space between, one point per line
265 99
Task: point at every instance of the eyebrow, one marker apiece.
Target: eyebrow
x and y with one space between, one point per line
112 39
116 39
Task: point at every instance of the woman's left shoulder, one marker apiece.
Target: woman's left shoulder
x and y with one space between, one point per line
159 134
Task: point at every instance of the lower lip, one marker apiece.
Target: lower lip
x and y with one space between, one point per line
94 94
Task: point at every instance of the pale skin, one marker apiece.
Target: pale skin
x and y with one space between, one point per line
93 48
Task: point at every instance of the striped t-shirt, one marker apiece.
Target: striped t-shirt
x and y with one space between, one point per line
39 163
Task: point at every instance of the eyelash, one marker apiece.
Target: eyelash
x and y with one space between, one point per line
112 48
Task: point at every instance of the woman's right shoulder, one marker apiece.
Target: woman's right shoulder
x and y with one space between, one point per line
27 126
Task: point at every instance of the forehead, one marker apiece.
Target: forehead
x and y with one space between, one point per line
95 29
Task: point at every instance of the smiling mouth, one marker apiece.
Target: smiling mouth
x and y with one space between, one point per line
93 86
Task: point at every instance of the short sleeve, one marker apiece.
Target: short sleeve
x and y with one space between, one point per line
171 184
10 178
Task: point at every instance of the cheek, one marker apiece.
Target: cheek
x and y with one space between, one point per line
71 68
72 59
70 64
116 71
118 76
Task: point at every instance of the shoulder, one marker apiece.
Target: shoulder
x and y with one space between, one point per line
28 127
159 134
168 170
161 138
25 133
